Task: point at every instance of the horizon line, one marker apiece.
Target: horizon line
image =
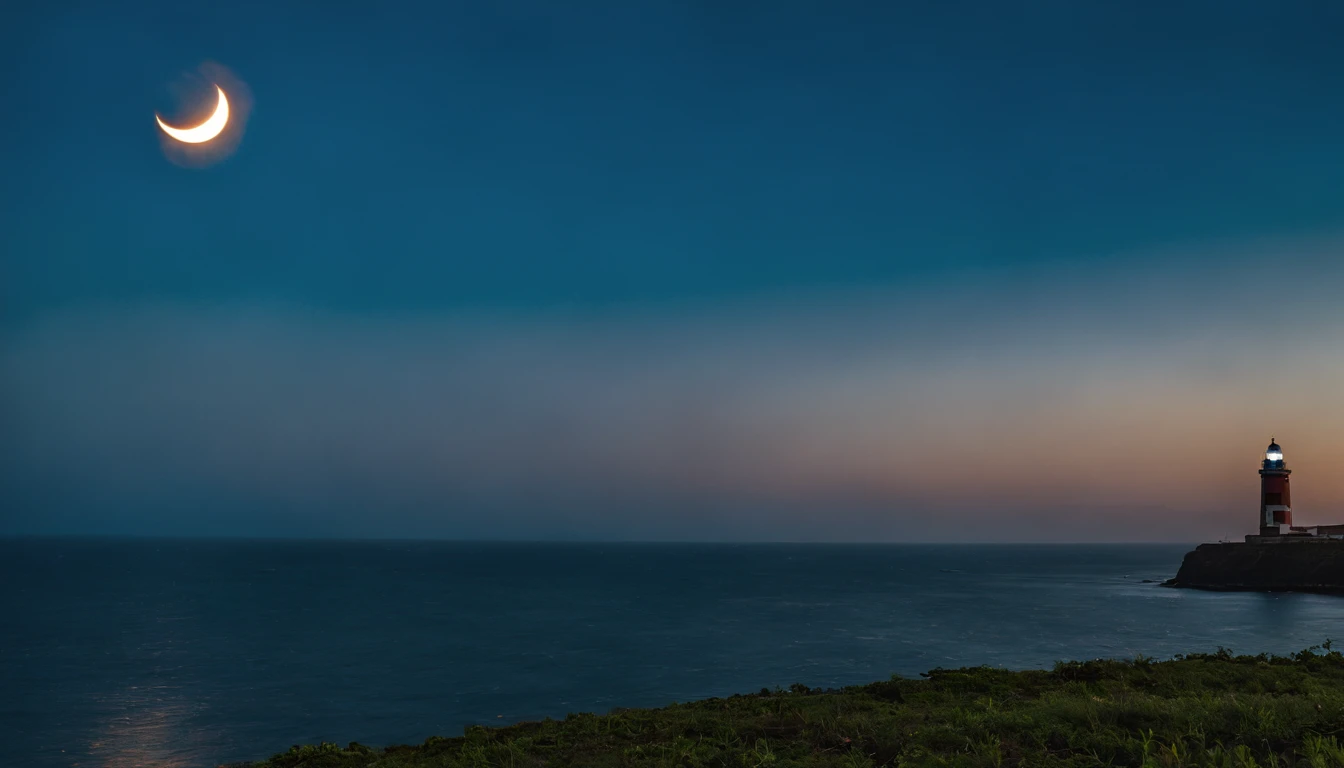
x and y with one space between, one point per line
634 542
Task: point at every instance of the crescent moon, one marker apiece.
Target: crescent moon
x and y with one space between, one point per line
207 130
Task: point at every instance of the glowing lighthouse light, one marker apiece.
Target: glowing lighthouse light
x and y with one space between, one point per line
1274 455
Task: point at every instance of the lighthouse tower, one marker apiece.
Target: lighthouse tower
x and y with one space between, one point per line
1276 509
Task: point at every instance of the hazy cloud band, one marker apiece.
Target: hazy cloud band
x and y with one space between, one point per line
1058 404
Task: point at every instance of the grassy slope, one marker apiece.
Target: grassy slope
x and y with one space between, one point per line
1202 710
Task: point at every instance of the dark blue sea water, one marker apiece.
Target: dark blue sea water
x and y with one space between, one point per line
127 653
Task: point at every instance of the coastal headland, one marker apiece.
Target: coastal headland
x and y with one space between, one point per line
1273 565
1198 710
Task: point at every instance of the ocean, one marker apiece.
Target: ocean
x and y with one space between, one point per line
193 653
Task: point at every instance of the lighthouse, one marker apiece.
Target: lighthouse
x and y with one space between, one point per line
1276 508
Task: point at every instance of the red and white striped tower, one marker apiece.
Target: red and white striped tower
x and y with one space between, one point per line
1276 508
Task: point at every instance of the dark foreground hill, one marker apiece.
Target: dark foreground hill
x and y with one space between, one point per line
1199 710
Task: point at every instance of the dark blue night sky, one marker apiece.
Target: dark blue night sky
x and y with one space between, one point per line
598 196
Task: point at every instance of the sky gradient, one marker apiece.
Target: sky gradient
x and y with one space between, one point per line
675 271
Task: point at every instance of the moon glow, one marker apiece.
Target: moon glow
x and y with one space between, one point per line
207 130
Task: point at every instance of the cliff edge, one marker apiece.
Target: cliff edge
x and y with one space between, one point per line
1296 566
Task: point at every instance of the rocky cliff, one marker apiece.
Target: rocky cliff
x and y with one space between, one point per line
1298 566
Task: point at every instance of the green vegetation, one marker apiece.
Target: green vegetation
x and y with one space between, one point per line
1200 710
